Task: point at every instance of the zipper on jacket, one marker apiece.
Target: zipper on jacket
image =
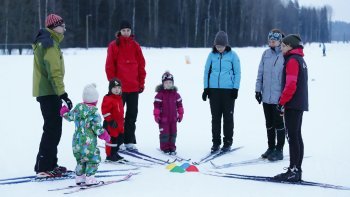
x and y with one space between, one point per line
220 71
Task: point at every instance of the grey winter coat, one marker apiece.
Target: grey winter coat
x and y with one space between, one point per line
269 79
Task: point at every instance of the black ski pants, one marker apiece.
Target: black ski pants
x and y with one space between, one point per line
222 105
131 100
274 127
293 119
46 159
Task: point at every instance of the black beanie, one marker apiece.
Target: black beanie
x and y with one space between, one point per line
221 39
292 40
124 24
114 82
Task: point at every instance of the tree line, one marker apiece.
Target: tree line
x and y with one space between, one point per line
165 23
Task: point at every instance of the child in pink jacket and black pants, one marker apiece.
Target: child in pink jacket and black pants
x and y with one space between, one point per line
168 110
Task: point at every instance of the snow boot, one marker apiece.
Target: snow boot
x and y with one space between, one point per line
215 148
48 174
275 155
267 153
292 175
80 179
91 180
166 151
131 147
226 148
114 157
60 169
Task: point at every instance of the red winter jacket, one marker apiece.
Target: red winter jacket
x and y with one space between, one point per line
126 62
291 80
113 109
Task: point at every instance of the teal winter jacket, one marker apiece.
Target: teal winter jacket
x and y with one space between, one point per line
222 70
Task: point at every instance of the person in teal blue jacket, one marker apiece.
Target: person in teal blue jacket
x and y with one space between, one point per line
222 76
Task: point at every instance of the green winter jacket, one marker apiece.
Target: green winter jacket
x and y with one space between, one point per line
87 127
48 70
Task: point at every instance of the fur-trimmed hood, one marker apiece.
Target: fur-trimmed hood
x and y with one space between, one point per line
160 87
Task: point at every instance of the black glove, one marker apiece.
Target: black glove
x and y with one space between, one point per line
111 123
67 100
234 93
205 94
105 124
280 109
258 97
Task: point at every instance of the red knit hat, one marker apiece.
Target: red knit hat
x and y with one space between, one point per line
53 20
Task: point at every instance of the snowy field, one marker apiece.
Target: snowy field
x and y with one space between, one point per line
325 128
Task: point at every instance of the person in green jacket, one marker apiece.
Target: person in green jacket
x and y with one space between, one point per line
49 90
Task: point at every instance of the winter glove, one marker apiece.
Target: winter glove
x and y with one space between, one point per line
141 89
105 136
64 109
65 98
280 109
205 94
258 97
180 110
156 113
234 93
111 123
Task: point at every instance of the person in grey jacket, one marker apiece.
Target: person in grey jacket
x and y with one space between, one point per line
268 90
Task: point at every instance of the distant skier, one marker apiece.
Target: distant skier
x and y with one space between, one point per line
268 90
323 49
222 76
113 114
87 127
167 111
293 103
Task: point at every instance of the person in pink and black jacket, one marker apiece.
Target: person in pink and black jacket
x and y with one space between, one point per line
168 110
293 102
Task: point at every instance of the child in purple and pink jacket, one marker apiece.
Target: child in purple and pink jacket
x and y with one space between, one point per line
167 112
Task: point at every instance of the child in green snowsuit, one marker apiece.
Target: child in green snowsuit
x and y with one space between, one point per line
87 127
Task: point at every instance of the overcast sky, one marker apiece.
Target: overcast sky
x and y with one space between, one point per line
341 8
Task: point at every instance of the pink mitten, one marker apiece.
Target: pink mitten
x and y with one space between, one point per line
156 113
64 109
105 136
180 110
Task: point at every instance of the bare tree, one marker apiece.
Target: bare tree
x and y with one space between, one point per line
39 14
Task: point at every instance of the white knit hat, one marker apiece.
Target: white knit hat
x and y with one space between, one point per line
90 94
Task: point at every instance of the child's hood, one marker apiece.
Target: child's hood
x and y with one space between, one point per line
160 87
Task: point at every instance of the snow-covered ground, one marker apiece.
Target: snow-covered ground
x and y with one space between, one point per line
325 128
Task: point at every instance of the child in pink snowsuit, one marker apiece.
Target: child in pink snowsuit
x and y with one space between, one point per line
167 112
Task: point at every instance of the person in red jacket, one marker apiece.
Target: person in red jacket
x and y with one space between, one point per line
125 61
113 114
167 111
292 104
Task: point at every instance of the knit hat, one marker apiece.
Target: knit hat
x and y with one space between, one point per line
53 20
167 76
221 39
114 82
124 24
292 40
90 94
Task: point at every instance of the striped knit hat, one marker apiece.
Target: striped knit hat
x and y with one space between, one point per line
53 20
